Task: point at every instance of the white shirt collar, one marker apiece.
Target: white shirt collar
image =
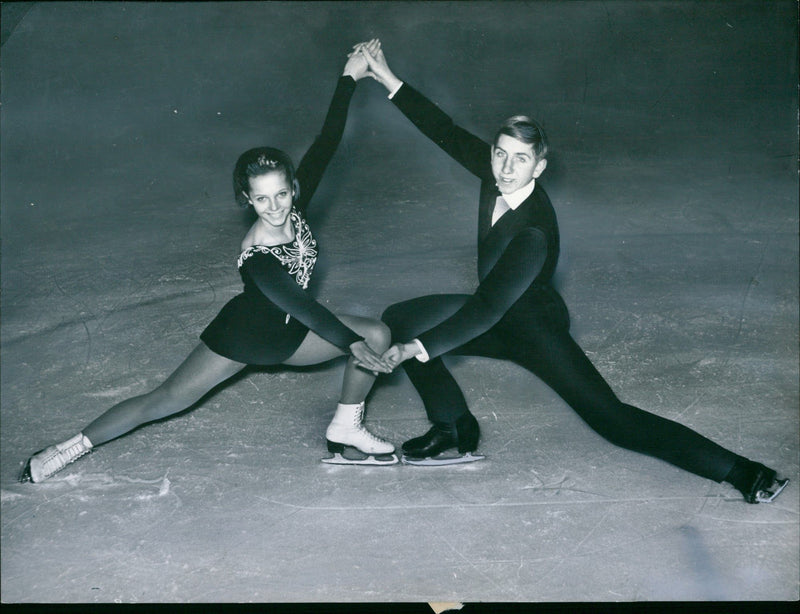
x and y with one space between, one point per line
515 199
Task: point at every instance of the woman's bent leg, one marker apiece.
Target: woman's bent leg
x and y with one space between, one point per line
346 428
357 382
198 374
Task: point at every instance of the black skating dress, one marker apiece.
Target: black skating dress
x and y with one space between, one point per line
266 323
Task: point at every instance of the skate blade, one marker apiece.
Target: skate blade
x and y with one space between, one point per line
768 496
438 461
371 459
25 475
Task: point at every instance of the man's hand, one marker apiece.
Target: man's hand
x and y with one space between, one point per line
399 352
356 66
378 68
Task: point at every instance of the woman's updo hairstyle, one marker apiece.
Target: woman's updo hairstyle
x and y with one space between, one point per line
260 161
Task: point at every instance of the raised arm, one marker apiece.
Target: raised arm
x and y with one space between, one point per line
316 159
463 146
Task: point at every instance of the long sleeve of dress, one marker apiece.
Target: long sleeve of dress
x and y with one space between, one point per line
315 161
464 147
282 290
503 285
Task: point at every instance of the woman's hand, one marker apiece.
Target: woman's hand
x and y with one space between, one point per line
357 66
400 352
366 358
378 68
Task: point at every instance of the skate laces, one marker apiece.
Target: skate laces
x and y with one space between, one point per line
61 458
358 425
370 435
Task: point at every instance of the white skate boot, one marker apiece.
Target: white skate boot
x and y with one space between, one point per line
346 430
52 459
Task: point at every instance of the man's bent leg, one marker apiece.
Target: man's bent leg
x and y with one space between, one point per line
453 425
439 391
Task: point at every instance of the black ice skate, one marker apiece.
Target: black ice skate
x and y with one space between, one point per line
768 496
766 486
434 447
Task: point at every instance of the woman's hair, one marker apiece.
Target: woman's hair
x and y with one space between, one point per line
527 130
260 161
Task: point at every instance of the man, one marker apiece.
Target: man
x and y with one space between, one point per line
516 314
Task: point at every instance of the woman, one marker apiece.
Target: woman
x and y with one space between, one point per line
275 320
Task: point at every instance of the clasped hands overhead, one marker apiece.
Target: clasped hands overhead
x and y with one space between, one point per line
367 60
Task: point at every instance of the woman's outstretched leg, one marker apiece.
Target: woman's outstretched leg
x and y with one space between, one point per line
197 375
346 428
357 382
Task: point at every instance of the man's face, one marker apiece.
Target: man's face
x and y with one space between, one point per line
514 164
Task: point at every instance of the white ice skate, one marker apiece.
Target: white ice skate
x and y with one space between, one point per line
52 459
347 431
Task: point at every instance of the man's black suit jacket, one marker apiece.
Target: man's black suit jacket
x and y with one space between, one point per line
516 257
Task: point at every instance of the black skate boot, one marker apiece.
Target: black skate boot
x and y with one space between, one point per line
756 482
765 487
429 449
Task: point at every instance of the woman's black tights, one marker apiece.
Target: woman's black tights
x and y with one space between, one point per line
198 374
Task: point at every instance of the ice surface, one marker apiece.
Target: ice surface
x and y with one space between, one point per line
674 174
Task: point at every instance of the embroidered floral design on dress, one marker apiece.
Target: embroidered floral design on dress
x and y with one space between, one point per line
299 256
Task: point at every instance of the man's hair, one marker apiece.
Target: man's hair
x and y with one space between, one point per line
260 161
527 130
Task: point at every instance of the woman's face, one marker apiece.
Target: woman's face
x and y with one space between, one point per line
271 197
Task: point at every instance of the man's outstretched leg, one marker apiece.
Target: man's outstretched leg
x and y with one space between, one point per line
558 360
